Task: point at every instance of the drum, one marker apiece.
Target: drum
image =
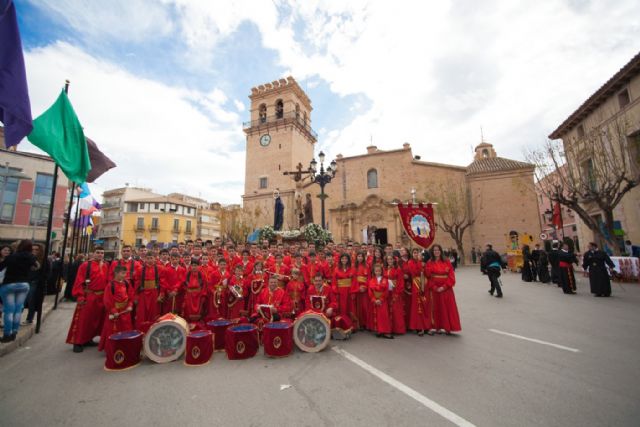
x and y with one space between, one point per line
166 339
241 341
277 339
312 332
199 348
219 327
123 350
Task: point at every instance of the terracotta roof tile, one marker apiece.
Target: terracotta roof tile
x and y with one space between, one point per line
495 164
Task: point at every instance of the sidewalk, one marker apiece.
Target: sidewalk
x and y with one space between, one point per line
26 331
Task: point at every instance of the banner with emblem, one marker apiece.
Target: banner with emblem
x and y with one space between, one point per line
417 220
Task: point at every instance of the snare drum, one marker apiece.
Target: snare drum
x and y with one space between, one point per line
241 341
166 339
277 339
199 348
123 350
219 327
312 332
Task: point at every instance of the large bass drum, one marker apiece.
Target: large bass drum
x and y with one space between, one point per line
165 341
312 332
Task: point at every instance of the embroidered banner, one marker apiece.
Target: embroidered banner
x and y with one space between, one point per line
418 222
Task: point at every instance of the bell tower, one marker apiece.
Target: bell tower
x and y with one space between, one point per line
278 137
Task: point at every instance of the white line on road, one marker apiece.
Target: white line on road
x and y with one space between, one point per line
438 409
550 344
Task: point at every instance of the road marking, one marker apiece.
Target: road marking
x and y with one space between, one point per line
438 409
550 344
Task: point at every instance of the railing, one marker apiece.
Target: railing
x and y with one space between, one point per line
110 205
187 231
290 116
154 228
138 227
176 230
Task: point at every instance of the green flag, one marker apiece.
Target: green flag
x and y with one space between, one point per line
59 133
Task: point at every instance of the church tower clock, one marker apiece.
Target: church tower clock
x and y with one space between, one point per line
279 136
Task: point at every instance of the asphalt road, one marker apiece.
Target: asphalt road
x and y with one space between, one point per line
484 377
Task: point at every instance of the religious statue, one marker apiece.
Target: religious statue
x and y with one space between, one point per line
308 211
278 216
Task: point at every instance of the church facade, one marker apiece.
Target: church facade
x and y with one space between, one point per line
362 197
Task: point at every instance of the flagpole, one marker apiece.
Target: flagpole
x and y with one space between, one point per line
64 245
74 235
47 244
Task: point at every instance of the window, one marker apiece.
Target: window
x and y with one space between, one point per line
188 210
9 191
154 223
297 112
188 227
133 207
141 206
589 175
156 206
140 224
485 153
623 98
263 113
263 182
176 225
304 119
138 242
580 130
279 109
41 199
372 178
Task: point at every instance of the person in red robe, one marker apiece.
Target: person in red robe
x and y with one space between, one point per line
378 292
342 284
195 288
280 271
320 298
246 263
256 279
296 290
236 294
215 302
420 316
148 299
88 289
361 304
271 304
127 260
442 279
171 286
403 263
396 290
311 268
118 305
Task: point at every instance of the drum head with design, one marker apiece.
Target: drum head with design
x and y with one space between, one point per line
165 341
312 332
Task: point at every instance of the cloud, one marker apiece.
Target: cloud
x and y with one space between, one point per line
163 137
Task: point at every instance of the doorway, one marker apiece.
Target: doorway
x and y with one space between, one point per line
381 236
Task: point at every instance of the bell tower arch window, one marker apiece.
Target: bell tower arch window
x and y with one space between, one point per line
279 109
263 113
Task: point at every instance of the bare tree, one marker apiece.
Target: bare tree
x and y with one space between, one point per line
235 223
590 174
454 214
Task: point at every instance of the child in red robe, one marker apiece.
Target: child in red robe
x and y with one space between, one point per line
194 291
378 291
118 304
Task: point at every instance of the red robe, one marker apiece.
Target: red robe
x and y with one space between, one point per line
132 266
296 290
118 297
195 289
280 270
147 286
378 291
327 300
171 281
279 299
420 316
257 283
360 297
396 300
445 310
235 305
216 303
342 284
88 317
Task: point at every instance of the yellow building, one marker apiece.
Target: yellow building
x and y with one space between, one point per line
163 220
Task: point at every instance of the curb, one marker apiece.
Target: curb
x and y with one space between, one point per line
27 331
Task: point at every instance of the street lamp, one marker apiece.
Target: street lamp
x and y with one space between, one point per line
322 178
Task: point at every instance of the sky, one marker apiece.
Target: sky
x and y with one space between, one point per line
162 86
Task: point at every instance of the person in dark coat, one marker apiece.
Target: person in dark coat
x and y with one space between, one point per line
566 260
534 260
526 264
72 272
596 261
553 261
491 264
543 267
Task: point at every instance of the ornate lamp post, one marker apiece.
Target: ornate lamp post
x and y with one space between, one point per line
322 178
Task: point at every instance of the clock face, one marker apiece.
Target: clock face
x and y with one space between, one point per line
265 139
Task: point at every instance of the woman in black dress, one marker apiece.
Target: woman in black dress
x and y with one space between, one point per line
526 264
543 267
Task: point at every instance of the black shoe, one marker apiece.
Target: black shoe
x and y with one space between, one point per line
14 336
6 338
77 348
91 344
491 292
499 296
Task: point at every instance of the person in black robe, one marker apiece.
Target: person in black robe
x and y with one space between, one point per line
534 260
543 267
278 218
596 261
526 264
553 262
567 278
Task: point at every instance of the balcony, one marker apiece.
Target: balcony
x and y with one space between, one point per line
188 231
138 227
110 205
154 228
287 118
176 230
